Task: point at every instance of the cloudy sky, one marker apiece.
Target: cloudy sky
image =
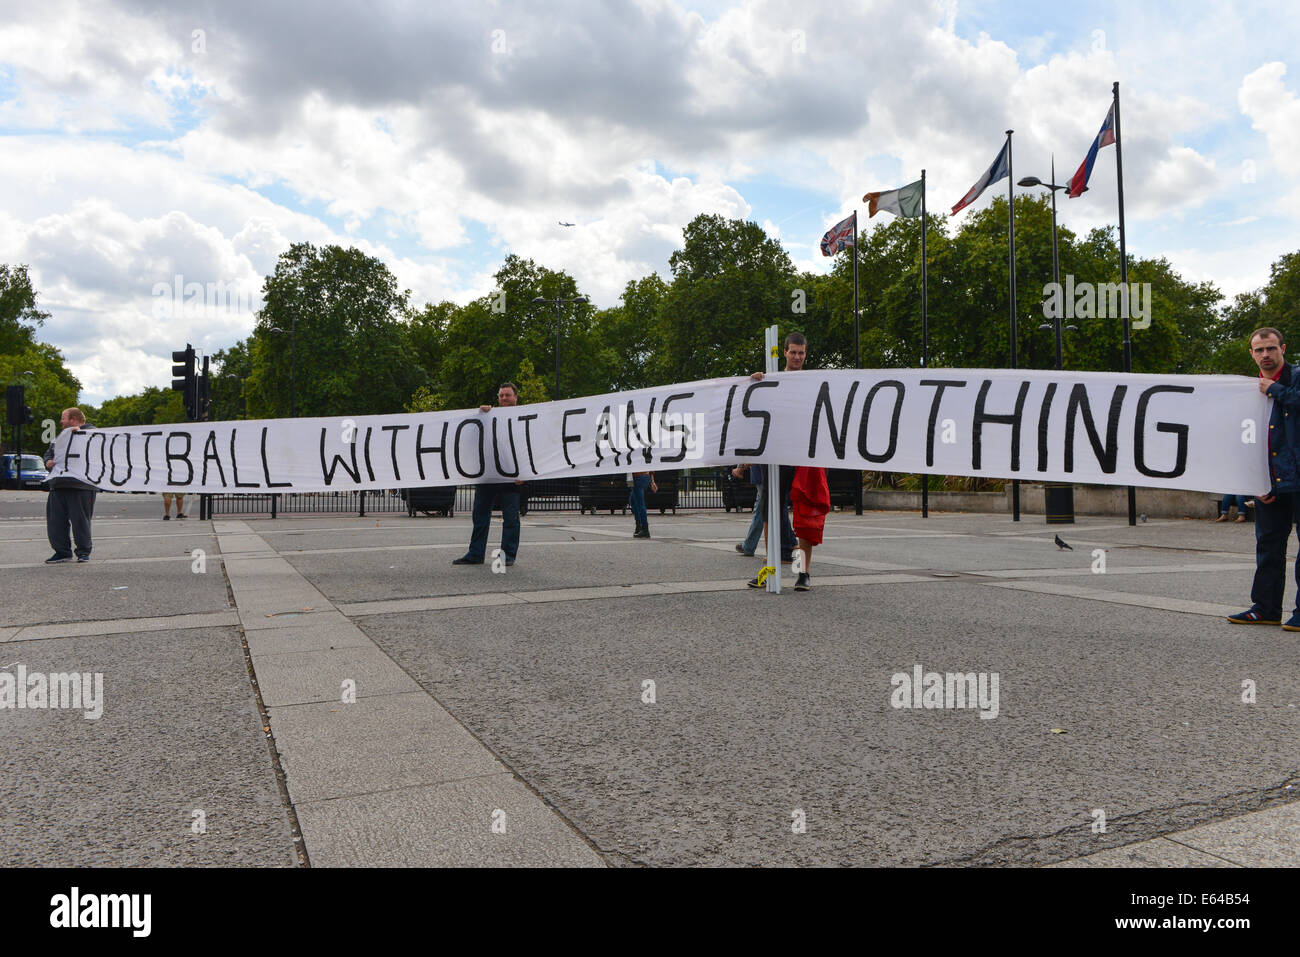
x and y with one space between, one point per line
149 140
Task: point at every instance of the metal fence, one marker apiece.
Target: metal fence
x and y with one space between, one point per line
712 489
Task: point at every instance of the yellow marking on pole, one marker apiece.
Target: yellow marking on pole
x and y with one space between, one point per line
763 572
774 352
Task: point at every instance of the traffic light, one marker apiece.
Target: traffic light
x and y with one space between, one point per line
184 380
15 405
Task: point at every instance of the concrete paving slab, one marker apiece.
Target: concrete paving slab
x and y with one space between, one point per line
75 629
179 733
398 605
329 750
110 592
1064 590
1155 853
1268 838
446 825
329 676
322 631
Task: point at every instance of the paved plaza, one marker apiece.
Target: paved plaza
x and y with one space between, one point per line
330 689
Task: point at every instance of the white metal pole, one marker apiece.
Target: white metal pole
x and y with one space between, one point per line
774 506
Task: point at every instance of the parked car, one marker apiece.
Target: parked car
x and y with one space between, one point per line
33 471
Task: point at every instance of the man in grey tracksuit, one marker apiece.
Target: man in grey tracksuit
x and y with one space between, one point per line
71 503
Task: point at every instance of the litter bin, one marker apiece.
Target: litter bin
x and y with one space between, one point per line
1058 504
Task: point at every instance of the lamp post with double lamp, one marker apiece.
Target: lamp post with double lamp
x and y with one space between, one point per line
559 301
1058 498
1056 262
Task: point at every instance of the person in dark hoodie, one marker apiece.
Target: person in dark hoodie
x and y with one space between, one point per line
71 504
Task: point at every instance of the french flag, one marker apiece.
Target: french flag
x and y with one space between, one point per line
1106 137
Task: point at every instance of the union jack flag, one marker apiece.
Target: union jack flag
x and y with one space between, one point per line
839 236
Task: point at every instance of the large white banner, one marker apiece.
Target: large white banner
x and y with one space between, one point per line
1190 432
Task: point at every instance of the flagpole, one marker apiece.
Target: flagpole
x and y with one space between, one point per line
1123 278
1011 243
857 348
925 337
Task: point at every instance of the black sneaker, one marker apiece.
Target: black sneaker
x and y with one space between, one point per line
466 560
167 518
754 582
83 558
179 515
57 559
802 583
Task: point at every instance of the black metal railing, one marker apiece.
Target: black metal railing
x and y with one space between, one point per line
706 489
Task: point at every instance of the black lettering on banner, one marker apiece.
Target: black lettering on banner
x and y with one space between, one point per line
1013 420
178 456
893 420
1044 413
840 436
397 472
1079 401
234 464
112 458
527 420
328 471
210 454
421 449
602 432
684 429
757 414
266 468
482 457
940 385
103 465
370 471
496 449
147 465
68 455
565 437
644 440
1139 434
726 420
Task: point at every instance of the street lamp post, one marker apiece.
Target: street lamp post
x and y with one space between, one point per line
558 300
1056 262
1058 498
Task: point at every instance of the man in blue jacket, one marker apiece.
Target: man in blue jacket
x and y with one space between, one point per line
1278 511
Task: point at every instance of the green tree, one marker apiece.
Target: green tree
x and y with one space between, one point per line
153 406
730 281
230 369
332 338
19 316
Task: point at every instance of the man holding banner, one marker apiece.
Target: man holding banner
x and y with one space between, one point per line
1278 511
795 351
487 494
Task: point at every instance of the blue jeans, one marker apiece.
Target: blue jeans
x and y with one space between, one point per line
756 527
636 499
484 497
1273 523
1230 500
